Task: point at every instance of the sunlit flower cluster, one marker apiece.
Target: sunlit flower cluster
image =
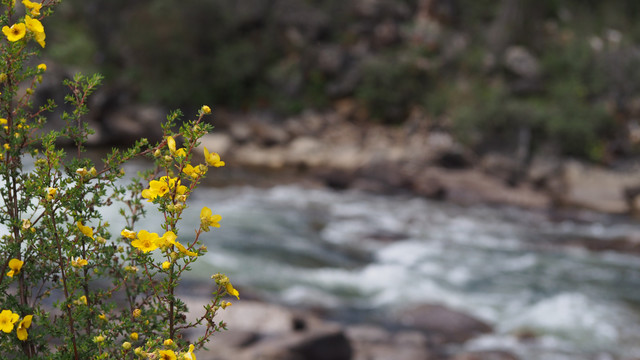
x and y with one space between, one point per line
30 25
162 186
207 219
148 241
223 280
8 319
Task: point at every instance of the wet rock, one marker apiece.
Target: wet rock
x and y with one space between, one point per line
443 325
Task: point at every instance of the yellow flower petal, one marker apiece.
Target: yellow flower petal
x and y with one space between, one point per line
86 230
15 265
15 32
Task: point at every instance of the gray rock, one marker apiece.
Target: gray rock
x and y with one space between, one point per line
521 62
372 342
443 325
485 355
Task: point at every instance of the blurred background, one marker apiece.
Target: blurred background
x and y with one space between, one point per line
448 179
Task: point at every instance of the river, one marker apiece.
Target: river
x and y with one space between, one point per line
368 256
365 257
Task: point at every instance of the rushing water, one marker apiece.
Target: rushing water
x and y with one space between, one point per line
364 257
377 254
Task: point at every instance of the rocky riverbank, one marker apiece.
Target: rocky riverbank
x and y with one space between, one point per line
337 151
259 330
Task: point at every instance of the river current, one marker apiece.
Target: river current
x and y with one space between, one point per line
368 256
365 257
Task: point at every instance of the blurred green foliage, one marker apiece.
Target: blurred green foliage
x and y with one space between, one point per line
249 54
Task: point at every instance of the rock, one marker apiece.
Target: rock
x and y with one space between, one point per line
327 342
305 151
130 123
521 62
268 133
240 131
267 331
372 342
485 355
443 325
256 156
260 318
592 187
216 142
472 186
330 59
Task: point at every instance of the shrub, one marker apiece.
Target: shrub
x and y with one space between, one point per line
70 289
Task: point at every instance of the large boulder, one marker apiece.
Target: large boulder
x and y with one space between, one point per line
371 342
263 331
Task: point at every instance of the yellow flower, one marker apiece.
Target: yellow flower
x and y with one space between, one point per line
51 193
82 300
166 265
194 172
7 319
102 317
181 152
171 143
126 233
42 67
169 238
35 26
134 336
40 37
190 355
168 342
231 290
3 121
205 109
15 265
23 326
34 8
166 240
26 224
146 241
156 188
207 219
78 262
87 231
225 304
213 159
15 32
82 171
98 339
166 355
